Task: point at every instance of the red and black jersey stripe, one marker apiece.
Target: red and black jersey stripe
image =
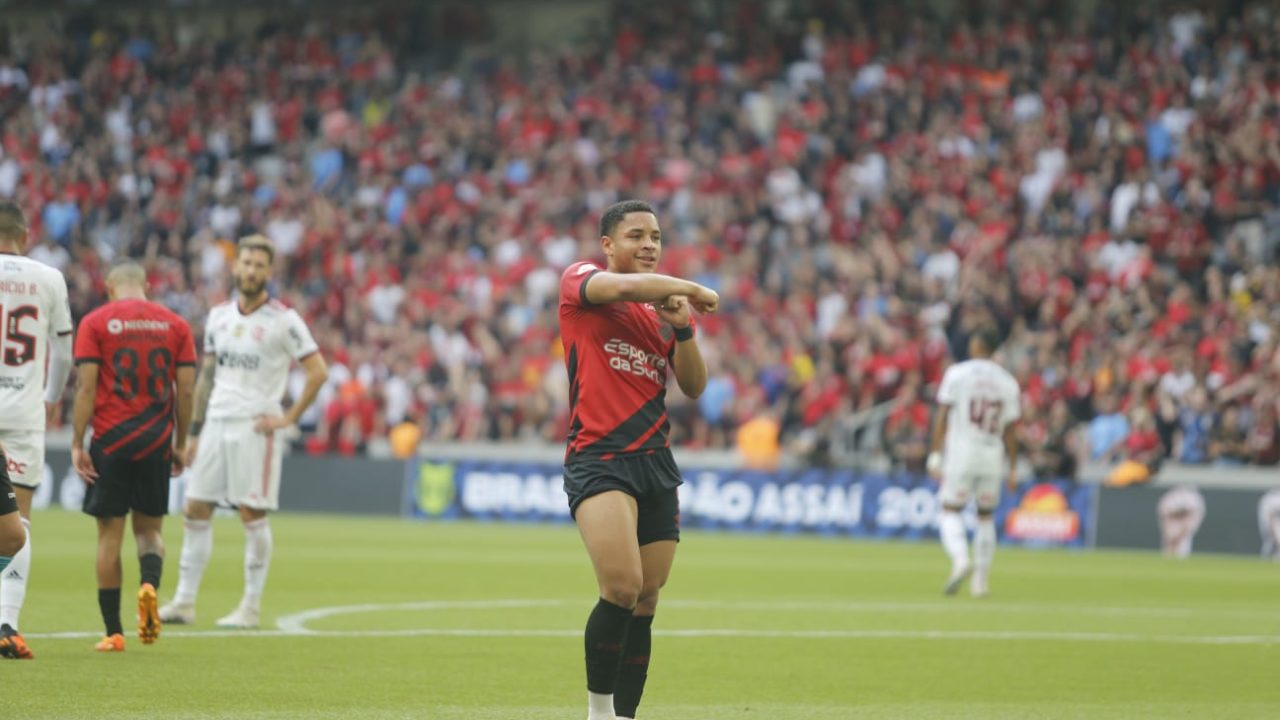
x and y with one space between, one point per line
645 430
140 435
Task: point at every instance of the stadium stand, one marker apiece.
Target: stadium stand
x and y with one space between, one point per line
863 188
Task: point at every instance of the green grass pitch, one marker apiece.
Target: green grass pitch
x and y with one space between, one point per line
384 618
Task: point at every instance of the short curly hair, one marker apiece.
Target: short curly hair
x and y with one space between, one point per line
618 211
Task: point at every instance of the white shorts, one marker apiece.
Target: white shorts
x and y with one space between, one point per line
25 452
959 486
238 465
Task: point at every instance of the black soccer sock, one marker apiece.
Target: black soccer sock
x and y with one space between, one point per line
635 666
109 604
605 636
151 565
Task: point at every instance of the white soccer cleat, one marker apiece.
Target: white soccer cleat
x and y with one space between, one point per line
242 618
958 575
176 613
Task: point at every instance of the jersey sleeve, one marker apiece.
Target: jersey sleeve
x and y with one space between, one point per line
88 347
573 283
186 350
60 312
210 342
947 388
298 338
1013 404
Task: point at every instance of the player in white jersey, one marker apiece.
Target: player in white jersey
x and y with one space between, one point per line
35 330
978 408
249 345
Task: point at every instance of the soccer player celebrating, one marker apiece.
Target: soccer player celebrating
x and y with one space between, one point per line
37 323
135 372
249 344
622 327
978 408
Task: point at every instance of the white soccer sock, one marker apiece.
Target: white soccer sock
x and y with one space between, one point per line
984 548
197 546
600 706
951 528
13 582
257 560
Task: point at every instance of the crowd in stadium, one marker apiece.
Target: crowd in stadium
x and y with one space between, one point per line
862 189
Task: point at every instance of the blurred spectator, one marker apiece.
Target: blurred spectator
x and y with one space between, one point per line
1107 431
1228 441
1143 443
757 442
1195 423
1051 444
906 433
1264 436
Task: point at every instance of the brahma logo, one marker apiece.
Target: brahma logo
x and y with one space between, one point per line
1043 515
114 326
16 468
435 488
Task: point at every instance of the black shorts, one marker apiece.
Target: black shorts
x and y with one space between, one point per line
8 500
124 484
651 478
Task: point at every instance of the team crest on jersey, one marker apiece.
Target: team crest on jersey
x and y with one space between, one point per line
259 332
115 326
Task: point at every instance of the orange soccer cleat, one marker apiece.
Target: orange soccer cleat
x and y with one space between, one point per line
110 643
148 615
12 645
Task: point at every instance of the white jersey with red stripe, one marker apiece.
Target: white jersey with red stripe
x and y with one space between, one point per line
33 309
254 352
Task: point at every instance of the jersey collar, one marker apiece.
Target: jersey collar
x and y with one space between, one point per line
256 308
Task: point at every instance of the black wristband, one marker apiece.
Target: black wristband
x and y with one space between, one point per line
684 333
196 427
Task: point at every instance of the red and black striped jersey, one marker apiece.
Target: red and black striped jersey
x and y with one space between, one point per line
138 346
617 356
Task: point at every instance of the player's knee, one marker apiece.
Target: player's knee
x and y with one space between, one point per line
197 510
647 603
623 592
149 543
986 513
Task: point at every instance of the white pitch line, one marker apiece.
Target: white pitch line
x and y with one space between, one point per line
298 621
295 625
1036 636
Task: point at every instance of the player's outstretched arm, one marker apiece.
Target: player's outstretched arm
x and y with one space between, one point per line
81 414
608 287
